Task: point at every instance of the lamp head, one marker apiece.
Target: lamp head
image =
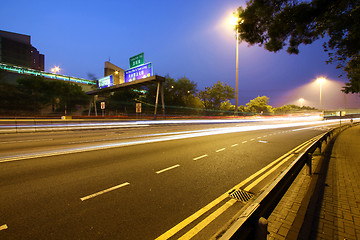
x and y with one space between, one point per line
321 80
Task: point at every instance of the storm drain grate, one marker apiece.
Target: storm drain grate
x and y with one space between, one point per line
241 195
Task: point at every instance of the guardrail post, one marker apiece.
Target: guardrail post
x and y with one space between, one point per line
261 229
309 163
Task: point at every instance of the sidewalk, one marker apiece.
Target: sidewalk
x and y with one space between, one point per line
338 211
334 212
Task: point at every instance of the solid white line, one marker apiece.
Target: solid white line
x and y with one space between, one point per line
299 129
30 140
169 168
3 227
244 142
104 191
234 145
197 158
219 150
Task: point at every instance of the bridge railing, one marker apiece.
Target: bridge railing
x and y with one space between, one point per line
249 222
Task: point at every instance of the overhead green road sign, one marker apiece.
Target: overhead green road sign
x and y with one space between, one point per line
136 60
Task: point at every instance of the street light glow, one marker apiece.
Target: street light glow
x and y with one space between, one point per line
234 20
55 69
301 100
320 80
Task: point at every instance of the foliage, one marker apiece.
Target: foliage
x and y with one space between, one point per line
212 97
33 93
123 100
9 98
36 93
227 106
179 94
68 95
259 105
277 23
291 108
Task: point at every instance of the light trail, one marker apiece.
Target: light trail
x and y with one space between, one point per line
69 125
177 136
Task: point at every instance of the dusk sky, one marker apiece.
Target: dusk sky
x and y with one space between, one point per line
181 38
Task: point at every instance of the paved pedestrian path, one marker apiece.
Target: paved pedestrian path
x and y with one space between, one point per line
338 215
337 208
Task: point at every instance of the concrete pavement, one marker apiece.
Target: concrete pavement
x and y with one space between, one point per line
325 205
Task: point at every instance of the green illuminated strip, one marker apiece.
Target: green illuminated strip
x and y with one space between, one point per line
28 71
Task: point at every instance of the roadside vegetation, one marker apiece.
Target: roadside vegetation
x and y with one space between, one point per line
37 96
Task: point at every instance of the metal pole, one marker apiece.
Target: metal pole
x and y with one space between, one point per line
95 106
157 99
320 96
309 163
90 107
237 74
261 230
163 100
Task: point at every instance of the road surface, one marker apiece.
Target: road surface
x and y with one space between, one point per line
137 182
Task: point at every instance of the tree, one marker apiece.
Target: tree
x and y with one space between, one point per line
291 108
212 97
179 94
124 100
275 24
227 106
9 98
259 105
36 93
69 96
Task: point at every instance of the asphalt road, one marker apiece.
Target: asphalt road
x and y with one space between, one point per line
131 183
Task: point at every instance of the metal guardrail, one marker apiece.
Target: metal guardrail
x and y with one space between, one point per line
248 222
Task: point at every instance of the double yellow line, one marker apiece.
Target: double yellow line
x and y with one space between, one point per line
268 169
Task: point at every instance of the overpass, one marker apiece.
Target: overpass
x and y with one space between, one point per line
32 72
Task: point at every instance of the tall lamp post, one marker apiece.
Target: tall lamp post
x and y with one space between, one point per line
320 81
235 21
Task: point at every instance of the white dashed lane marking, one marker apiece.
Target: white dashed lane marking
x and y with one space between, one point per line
167 169
219 150
197 158
104 191
3 227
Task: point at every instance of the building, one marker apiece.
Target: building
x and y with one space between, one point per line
16 49
118 73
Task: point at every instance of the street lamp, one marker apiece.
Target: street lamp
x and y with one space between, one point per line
320 81
235 21
55 69
301 100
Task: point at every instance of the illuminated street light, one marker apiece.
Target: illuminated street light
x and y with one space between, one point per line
320 81
301 100
234 21
55 69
